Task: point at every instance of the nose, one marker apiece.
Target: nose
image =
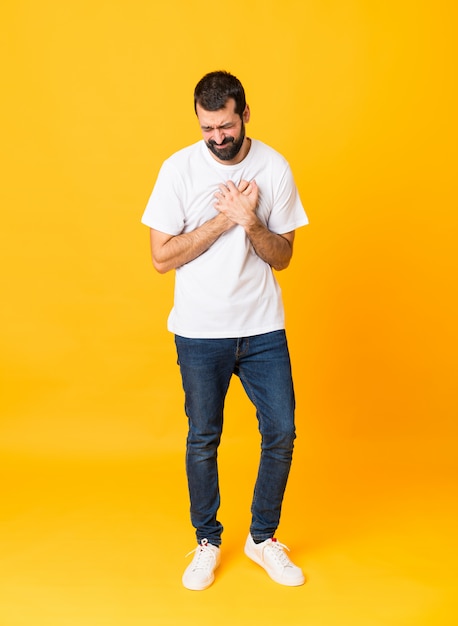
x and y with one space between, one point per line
218 135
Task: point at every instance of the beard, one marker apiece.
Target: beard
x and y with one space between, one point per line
233 146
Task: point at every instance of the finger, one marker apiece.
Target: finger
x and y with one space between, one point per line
252 188
230 186
243 185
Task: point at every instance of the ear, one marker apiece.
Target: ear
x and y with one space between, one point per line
246 114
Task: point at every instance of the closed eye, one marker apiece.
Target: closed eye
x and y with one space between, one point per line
207 129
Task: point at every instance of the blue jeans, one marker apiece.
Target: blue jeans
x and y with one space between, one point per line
263 365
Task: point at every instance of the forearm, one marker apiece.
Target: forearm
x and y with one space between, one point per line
239 205
172 252
276 250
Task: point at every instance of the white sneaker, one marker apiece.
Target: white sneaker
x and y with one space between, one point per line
271 555
200 572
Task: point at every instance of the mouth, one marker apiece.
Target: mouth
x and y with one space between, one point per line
224 144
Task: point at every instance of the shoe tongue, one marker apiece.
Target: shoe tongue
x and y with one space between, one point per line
274 540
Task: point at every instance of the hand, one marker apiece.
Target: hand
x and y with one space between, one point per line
238 203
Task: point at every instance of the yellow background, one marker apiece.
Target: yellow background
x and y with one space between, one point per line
361 97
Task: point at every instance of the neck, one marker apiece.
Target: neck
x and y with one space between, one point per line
246 145
243 150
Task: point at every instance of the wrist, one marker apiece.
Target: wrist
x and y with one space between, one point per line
223 222
253 224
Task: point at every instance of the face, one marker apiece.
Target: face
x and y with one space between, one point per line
224 132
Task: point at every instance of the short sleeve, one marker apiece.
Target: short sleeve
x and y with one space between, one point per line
287 212
164 210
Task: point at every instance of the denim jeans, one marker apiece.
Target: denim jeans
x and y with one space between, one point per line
263 365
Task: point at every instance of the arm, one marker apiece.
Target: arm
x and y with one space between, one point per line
276 250
172 251
239 205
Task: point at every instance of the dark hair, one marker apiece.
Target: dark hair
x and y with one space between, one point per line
214 90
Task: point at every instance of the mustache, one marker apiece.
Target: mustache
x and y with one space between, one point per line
225 141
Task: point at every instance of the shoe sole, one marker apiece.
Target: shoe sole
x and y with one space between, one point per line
199 588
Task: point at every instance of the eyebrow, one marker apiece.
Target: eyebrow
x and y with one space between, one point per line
225 125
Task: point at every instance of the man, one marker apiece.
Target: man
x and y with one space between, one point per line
222 214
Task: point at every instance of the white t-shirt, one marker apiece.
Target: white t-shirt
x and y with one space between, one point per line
228 291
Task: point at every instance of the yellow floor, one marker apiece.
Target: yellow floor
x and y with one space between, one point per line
102 541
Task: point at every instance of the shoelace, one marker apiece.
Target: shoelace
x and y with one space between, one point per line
277 550
204 557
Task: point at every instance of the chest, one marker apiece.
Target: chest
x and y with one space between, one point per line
201 183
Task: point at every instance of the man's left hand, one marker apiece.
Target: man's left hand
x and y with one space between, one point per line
238 203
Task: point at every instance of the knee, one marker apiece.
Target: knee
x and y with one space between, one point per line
206 444
281 439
